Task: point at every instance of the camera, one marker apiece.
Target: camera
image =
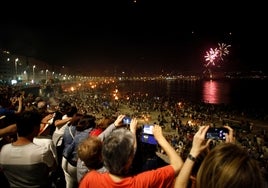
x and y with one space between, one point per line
217 133
147 135
126 120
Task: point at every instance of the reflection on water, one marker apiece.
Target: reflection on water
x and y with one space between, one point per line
245 93
239 93
216 92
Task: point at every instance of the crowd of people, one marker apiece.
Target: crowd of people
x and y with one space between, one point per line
79 139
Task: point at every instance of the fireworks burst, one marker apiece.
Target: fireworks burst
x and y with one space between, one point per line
215 55
211 56
223 50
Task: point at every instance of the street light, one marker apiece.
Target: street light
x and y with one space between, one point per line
16 67
46 74
33 73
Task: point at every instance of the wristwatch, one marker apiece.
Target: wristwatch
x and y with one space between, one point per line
192 158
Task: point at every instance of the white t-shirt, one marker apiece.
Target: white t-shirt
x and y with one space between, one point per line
46 141
27 165
58 133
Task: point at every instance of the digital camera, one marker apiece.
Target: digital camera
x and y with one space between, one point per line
217 133
147 135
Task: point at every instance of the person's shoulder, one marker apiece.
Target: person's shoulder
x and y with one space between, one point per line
168 169
41 148
163 176
45 141
5 147
93 176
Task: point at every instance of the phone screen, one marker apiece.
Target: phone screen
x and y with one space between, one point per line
216 133
148 129
147 135
126 120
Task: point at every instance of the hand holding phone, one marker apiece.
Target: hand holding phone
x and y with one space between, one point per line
217 133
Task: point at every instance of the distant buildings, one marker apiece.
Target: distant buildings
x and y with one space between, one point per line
21 69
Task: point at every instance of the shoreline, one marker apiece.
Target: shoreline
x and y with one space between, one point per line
257 125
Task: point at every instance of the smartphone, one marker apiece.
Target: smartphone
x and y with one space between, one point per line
147 135
126 120
217 133
148 129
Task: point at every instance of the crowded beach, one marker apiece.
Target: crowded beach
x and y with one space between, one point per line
180 120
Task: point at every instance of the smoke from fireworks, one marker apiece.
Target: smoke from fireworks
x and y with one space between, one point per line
215 55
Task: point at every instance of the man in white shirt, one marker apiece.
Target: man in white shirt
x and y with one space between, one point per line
24 163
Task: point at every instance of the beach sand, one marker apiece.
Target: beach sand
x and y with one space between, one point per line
153 118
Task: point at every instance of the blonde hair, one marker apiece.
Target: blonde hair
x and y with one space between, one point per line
228 165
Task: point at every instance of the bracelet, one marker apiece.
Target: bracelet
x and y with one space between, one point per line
192 158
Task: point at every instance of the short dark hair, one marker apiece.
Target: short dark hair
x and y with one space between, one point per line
87 121
27 121
64 106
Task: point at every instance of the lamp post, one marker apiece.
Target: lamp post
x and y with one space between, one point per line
46 74
16 67
33 73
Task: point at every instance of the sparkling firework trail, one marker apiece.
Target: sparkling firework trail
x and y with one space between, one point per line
211 56
215 55
223 50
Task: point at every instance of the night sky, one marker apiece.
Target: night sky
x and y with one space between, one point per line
146 36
